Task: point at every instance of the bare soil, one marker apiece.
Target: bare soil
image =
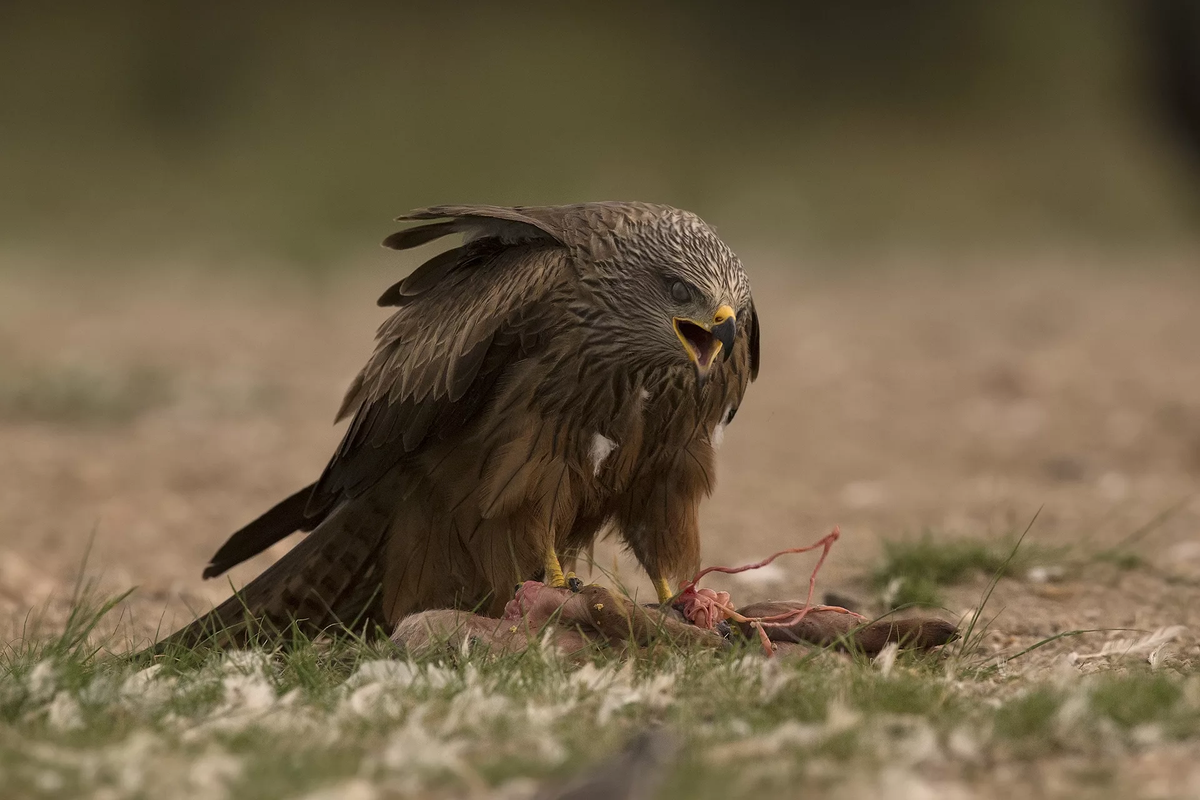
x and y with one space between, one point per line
894 398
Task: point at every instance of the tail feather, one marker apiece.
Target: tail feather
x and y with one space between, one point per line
331 579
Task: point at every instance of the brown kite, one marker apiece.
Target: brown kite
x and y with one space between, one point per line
563 371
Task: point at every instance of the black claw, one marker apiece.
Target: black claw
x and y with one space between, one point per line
517 589
574 584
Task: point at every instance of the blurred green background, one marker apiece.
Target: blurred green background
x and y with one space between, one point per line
293 132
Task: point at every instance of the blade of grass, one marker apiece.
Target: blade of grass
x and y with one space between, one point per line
992 583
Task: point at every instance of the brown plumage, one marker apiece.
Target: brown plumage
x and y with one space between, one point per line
562 370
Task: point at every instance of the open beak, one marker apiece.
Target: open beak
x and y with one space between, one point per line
703 340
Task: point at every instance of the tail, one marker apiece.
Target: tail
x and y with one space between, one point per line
332 579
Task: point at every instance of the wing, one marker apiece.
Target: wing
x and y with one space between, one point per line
279 522
462 317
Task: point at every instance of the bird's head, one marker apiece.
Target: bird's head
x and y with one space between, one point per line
704 332
682 292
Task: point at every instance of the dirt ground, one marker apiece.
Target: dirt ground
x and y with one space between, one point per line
958 398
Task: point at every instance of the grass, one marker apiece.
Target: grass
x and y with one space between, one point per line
913 570
1123 560
364 720
334 718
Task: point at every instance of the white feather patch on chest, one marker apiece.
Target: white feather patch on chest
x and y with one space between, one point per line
718 434
602 447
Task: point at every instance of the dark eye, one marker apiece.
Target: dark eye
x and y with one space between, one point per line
680 292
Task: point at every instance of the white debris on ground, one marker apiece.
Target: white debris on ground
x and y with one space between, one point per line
395 727
1046 574
1151 646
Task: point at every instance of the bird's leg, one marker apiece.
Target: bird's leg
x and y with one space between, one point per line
553 575
663 587
553 571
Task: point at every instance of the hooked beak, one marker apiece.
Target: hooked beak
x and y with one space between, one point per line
703 340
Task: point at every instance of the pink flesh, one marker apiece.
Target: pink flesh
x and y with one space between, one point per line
536 603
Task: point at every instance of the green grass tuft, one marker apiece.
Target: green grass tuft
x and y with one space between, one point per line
913 571
1029 718
1124 560
1135 699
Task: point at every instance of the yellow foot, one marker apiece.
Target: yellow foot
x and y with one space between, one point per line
664 590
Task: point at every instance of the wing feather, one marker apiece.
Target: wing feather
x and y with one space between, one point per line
277 523
466 368
462 318
422 234
421 279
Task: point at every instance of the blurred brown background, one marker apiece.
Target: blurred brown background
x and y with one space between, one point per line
972 227
295 130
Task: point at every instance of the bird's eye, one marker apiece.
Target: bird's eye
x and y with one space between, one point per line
680 292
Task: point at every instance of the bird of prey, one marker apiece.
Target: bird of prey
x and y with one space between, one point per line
564 371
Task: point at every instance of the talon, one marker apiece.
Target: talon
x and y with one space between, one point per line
573 583
517 589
